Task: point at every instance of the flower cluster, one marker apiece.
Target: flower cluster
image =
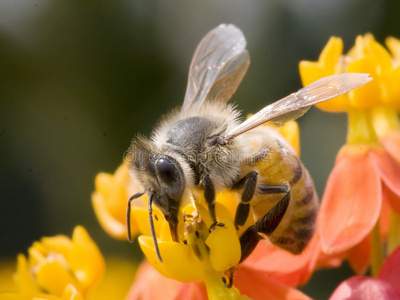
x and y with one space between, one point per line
58 268
359 214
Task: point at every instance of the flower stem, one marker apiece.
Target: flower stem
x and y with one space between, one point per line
360 129
394 233
384 120
376 250
215 286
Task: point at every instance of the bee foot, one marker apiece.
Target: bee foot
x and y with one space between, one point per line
215 224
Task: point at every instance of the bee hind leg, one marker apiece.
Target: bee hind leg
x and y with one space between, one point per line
268 223
248 183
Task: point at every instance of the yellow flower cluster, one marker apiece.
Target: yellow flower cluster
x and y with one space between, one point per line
372 109
58 268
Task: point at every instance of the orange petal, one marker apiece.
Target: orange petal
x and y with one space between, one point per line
258 285
282 265
392 200
387 168
391 143
150 284
352 201
195 290
359 256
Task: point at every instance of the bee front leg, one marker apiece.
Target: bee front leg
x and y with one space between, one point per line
249 184
268 223
209 195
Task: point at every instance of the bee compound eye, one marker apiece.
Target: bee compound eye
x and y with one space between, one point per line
171 177
168 170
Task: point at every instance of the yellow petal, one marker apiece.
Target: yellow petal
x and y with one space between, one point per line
165 232
114 192
122 173
85 258
116 282
227 202
114 227
23 277
179 261
381 56
290 131
370 94
391 93
394 46
330 54
311 71
53 278
384 120
141 216
13 296
71 293
224 246
60 244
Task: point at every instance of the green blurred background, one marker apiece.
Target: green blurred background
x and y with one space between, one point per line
78 79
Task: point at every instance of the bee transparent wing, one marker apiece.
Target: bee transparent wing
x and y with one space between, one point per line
296 104
218 66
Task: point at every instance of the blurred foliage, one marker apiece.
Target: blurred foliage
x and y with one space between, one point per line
78 79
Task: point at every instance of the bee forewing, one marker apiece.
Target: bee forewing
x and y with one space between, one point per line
296 104
218 66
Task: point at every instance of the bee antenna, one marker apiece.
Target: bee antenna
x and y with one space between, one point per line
153 233
128 214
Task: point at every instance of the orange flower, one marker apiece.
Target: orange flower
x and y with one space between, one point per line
363 187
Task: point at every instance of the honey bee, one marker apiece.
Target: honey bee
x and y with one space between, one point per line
203 146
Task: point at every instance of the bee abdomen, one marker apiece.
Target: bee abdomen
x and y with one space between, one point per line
297 226
297 235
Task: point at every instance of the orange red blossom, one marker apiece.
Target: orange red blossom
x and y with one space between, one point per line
360 207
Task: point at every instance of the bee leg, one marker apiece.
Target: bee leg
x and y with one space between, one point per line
209 195
268 223
128 214
248 183
153 232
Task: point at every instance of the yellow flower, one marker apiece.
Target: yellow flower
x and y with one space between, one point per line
58 268
366 56
116 281
109 201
